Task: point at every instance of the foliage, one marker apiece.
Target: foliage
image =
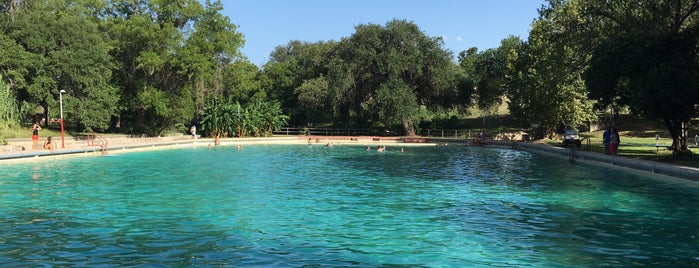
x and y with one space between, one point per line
312 97
9 114
493 71
154 66
261 118
257 118
56 47
548 88
170 59
648 61
297 72
397 60
395 104
242 81
220 118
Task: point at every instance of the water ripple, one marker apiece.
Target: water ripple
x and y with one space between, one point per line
271 205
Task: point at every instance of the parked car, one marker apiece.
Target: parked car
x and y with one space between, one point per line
571 137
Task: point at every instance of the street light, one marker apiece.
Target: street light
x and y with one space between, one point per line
239 120
60 101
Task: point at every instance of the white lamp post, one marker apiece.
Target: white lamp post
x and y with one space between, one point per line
60 101
239 121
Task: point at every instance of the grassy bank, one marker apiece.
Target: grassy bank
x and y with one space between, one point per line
643 147
26 133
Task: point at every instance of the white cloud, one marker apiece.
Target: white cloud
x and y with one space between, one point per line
458 38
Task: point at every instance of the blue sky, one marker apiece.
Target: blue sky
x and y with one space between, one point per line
267 24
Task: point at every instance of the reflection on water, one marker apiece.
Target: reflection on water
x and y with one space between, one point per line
295 205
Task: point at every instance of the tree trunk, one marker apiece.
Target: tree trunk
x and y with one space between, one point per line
45 115
139 121
678 131
409 128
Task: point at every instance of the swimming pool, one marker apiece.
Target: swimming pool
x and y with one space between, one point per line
296 205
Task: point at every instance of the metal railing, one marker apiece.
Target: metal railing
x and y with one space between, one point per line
430 133
297 131
95 140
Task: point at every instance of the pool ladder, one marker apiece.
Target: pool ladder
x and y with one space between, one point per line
95 140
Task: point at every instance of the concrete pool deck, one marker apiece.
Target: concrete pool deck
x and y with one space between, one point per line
677 171
76 146
20 149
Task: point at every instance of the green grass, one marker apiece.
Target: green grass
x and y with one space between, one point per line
637 137
638 147
25 132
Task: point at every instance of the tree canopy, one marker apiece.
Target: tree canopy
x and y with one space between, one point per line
647 60
636 54
55 47
386 74
155 66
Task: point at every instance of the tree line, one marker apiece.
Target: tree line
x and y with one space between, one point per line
156 66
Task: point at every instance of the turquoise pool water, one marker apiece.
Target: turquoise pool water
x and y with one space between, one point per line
297 205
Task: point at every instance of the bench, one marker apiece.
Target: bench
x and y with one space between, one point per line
669 148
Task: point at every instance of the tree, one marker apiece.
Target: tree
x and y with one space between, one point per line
396 60
242 81
493 73
61 49
395 104
546 85
170 59
492 69
208 52
648 61
291 71
312 97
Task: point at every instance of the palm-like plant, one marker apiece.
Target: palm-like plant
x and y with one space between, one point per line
213 118
256 119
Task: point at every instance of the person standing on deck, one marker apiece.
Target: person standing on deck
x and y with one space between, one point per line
614 141
35 136
605 139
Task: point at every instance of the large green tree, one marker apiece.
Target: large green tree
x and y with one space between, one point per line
170 59
296 73
242 81
494 73
57 46
647 59
636 54
382 75
547 87
312 98
209 54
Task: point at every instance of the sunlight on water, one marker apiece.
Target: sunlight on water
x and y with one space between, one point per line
295 205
